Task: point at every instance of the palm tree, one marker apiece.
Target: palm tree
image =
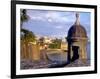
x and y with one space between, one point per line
24 17
24 40
27 37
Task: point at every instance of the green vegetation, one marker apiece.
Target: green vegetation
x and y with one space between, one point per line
56 44
28 36
24 17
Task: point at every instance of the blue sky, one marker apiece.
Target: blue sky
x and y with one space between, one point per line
54 23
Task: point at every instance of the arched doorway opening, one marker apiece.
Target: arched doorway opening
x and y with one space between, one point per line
75 50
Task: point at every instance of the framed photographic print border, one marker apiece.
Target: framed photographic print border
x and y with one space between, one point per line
13 38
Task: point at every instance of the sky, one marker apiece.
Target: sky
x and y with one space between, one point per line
54 23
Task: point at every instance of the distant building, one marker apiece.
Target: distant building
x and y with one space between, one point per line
77 41
47 40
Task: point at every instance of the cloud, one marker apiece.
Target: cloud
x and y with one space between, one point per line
50 16
57 17
59 27
37 18
49 20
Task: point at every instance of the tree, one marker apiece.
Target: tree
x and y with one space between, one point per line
56 44
24 17
27 37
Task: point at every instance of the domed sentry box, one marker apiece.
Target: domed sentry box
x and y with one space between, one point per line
77 41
